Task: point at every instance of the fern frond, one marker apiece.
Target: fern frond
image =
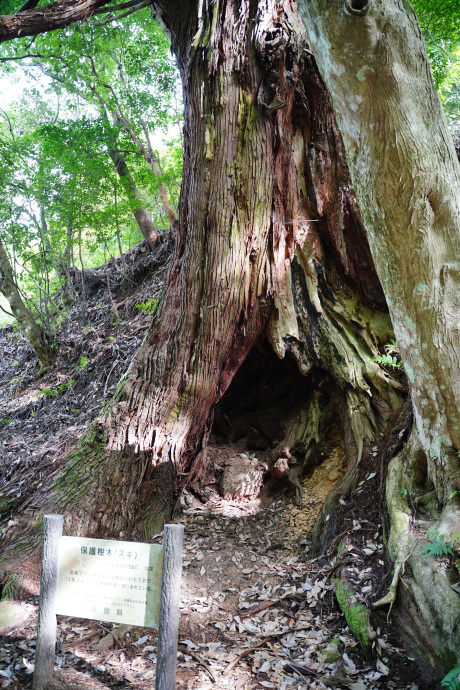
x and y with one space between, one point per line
451 681
387 360
437 546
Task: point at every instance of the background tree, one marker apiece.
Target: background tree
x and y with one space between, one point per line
127 74
64 195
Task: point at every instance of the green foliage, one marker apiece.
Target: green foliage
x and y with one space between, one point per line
389 358
14 381
441 29
54 392
437 545
83 363
64 387
49 392
452 680
149 306
63 202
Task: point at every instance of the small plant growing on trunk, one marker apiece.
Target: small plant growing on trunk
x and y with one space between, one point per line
390 358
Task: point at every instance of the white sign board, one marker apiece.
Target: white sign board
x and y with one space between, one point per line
114 581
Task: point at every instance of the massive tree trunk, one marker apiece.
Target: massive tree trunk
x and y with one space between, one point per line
405 171
29 327
271 246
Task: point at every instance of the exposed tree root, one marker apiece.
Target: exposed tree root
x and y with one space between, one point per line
390 596
427 585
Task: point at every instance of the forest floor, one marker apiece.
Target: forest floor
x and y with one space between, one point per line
256 610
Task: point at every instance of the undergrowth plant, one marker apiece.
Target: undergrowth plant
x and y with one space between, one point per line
83 363
15 380
438 546
389 359
149 306
451 681
53 392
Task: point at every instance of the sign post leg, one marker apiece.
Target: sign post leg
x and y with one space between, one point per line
168 628
46 632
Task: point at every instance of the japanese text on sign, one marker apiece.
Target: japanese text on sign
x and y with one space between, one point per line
109 580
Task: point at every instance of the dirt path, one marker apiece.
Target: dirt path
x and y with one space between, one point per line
254 614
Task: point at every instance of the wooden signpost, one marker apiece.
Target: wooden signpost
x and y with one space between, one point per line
120 582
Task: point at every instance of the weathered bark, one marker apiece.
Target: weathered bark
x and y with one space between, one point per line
29 327
271 244
407 179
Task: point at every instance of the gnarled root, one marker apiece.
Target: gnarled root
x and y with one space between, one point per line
399 543
390 596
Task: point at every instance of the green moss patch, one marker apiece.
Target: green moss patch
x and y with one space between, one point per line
11 588
356 615
331 652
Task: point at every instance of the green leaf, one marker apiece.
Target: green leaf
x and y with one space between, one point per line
451 681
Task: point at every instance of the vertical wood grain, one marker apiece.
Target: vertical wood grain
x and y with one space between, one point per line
169 607
46 632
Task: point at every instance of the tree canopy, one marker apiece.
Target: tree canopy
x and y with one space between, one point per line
78 146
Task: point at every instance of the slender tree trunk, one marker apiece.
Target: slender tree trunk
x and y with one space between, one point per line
154 164
29 327
146 226
120 248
